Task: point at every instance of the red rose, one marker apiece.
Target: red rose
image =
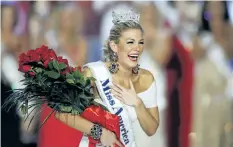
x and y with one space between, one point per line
61 60
67 70
52 54
23 58
45 56
42 49
46 63
35 57
31 73
80 68
72 69
30 52
24 68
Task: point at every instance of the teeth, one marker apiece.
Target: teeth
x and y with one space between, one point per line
134 56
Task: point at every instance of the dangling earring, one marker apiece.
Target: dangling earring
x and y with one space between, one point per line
135 69
113 68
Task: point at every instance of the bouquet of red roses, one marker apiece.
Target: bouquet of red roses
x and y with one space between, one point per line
50 80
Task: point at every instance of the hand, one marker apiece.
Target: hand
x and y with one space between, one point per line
126 96
109 139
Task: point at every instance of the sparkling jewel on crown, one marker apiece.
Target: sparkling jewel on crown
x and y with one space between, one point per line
125 16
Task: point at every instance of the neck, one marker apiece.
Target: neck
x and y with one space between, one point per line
124 73
67 33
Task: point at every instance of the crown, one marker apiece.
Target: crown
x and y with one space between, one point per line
125 16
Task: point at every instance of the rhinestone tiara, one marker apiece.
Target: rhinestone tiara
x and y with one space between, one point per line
130 15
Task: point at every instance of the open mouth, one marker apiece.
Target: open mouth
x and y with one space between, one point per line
133 57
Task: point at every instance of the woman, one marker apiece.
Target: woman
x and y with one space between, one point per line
66 35
155 55
133 87
13 42
212 76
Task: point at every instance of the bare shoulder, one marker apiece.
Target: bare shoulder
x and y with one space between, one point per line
87 72
146 78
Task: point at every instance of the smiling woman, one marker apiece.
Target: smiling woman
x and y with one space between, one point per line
127 91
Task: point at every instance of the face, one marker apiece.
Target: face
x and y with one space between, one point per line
198 49
71 19
189 13
130 47
149 13
216 11
8 17
229 43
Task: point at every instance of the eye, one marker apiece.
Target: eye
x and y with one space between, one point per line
130 42
141 42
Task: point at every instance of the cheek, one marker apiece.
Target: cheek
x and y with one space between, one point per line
141 48
123 55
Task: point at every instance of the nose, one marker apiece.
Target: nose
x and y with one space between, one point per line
138 47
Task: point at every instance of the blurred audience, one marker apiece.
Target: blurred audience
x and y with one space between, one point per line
188 48
66 34
14 40
154 58
212 98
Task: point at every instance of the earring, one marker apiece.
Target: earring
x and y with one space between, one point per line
135 69
113 68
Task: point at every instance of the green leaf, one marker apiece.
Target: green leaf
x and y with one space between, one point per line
66 108
70 81
62 66
69 76
77 74
56 65
53 74
24 108
38 70
43 79
50 65
40 63
91 78
75 112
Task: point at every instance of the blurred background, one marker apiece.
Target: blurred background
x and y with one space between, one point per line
188 48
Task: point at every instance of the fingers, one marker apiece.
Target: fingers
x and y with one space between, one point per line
118 86
115 88
117 95
120 99
131 85
118 143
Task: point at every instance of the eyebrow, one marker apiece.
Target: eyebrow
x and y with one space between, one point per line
134 39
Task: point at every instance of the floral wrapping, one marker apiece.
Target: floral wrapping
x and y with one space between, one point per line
50 80
98 115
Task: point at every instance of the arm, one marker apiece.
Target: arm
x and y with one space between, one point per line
107 138
147 117
162 50
83 51
76 121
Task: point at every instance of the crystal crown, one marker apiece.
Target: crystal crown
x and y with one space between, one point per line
125 16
